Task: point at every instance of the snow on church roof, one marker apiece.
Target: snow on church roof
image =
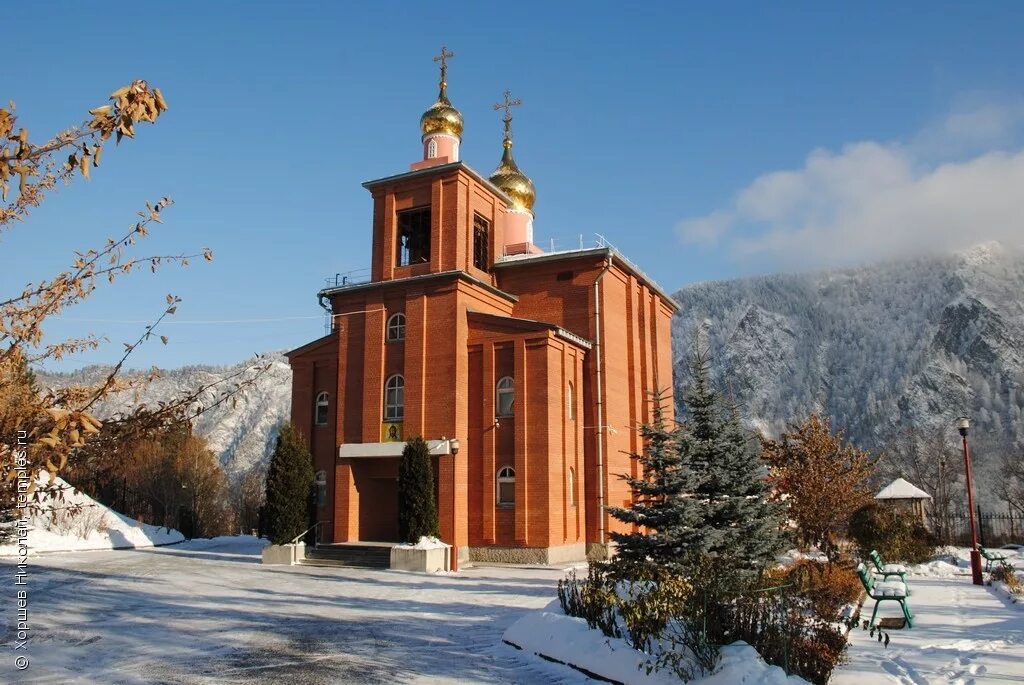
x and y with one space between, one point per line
901 489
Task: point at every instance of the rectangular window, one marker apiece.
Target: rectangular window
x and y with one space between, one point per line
413 243
481 242
507 493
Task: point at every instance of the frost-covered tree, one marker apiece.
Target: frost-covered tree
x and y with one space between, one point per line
932 462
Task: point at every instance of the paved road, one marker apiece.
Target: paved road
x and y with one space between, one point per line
207 612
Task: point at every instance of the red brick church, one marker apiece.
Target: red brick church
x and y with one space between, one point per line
528 372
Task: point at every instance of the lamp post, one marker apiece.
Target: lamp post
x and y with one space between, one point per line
453 561
962 425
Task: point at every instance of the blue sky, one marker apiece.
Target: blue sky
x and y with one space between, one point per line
705 141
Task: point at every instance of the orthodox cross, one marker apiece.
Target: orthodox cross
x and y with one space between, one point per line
443 59
507 106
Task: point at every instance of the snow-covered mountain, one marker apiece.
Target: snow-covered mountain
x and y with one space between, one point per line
878 348
241 432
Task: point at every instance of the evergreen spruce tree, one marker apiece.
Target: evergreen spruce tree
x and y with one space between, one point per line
743 504
703 490
417 510
289 487
658 504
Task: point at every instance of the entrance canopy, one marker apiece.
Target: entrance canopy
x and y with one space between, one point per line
376 450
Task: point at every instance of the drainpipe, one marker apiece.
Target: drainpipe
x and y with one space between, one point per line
320 297
599 394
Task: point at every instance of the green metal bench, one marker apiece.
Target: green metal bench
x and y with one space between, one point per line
885 591
887 570
992 557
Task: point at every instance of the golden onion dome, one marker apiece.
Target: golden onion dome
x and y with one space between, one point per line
442 117
513 182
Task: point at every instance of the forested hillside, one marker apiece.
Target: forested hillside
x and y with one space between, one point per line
879 349
241 432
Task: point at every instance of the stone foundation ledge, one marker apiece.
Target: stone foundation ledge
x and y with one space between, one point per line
529 556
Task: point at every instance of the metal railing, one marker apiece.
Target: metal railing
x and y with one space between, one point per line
994 529
344 278
316 535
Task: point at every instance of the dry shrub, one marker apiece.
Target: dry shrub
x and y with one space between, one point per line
76 521
828 587
1006 574
592 599
666 617
897 536
784 630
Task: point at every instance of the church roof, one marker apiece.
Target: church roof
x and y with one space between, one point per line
310 345
530 325
901 489
604 251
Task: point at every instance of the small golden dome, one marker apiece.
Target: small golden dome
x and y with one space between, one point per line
442 117
513 182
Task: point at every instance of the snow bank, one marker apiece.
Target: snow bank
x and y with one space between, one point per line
1016 600
938 568
742 665
570 641
793 556
59 529
956 561
567 639
425 542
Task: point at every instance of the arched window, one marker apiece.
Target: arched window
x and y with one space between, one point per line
432 148
321 409
394 398
506 486
396 327
505 396
570 484
570 400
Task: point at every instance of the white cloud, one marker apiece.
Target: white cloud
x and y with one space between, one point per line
706 230
876 200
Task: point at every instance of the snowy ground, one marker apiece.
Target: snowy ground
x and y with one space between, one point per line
206 611
963 634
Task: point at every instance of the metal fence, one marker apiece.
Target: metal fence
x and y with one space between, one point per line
994 529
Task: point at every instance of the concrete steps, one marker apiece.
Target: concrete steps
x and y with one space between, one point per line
348 555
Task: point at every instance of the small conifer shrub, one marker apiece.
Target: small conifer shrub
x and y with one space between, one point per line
289 487
417 509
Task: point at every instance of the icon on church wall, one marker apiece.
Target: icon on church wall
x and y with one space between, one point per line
391 432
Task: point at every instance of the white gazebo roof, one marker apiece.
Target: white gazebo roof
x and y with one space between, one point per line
901 489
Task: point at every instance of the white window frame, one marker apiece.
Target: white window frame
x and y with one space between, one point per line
570 398
506 475
432 148
396 327
505 387
571 486
322 401
394 398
